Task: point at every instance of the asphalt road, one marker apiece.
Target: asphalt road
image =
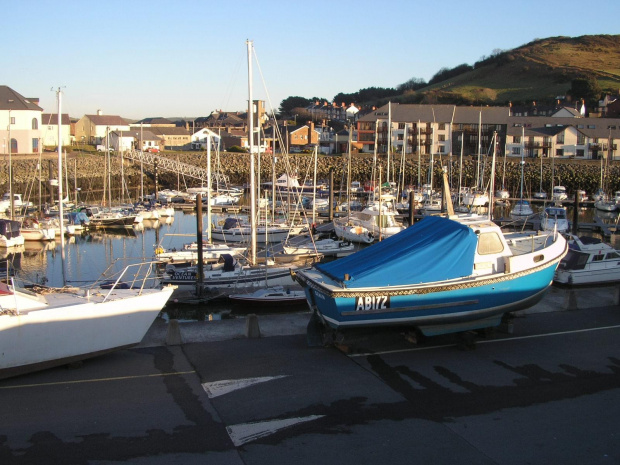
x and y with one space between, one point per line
547 393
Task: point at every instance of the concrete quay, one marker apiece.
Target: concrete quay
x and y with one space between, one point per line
546 393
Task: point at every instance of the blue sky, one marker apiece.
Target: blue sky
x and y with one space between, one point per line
186 58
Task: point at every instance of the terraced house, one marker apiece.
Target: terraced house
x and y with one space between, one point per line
450 130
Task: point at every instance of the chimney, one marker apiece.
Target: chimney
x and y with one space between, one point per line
99 112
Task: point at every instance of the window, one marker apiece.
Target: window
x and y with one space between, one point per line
12 120
560 138
35 145
559 152
516 139
581 139
401 125
516 150
441 137
580 152
612 256
489 243
35 123
14 145
442 149
598 258
442 126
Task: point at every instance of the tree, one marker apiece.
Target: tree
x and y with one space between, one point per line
411 84
288 104
586 88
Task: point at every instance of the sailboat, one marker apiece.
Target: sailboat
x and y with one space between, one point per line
601 199
522 208
230 274
541 195
42 327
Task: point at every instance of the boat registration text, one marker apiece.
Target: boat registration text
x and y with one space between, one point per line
379 302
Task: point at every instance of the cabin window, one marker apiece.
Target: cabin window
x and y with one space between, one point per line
489 243
574 260
598 258
612 256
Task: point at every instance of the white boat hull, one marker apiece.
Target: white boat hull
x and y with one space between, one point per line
61 328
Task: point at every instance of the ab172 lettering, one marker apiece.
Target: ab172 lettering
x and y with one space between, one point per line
379 302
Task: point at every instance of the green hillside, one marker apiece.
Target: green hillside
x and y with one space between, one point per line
538 71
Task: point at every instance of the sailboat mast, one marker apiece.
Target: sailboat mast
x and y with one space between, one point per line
461 167
374 161
208 188
419 155
316 161
492 185
389 141
251 143
479 149
60 195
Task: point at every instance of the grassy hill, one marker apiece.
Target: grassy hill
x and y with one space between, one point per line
538 71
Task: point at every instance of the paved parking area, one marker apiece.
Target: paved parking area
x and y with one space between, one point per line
547 393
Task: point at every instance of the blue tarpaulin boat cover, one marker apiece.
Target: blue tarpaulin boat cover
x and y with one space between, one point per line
434 249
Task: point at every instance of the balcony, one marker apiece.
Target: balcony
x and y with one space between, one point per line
537 144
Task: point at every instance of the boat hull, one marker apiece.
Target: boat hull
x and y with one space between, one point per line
224 283
435 309
77 328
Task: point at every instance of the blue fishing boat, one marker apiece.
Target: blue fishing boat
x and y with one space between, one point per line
440 275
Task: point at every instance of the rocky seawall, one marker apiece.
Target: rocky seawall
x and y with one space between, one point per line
89 172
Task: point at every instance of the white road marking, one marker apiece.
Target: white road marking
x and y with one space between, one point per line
247 432
488 341
219 388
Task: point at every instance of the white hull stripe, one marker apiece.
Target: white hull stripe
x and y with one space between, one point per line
219 388
247 432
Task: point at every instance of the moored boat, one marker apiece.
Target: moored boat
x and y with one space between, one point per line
45 327
554 218
271 296
227 276
439 275
10 235
589 261
521 210
327 247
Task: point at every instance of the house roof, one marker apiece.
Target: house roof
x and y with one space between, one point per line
107 120
439 113
11 100
171 131
145 134
52 119
569 110
155 120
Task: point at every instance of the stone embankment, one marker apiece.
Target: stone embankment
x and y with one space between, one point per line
90 172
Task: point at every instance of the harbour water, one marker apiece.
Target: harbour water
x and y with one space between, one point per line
89 256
